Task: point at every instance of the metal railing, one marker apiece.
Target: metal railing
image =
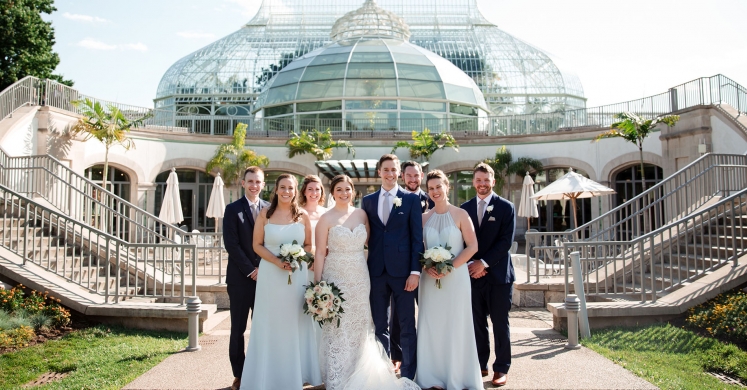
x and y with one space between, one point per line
715 90
82 199
664 259
695 186
211 255
98 261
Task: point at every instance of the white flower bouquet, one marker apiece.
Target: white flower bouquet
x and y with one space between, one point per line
294 254
439 258
323 302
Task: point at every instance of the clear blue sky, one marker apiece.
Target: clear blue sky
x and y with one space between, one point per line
621 50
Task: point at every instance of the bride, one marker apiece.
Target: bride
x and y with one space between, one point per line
351 356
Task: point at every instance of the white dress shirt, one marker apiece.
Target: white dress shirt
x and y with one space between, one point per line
256 204
393 194
487 203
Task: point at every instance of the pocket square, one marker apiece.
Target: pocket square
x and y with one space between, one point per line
400 212
241 216
491 219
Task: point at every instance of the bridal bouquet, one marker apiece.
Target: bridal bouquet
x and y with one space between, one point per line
323 302
440 258
294 254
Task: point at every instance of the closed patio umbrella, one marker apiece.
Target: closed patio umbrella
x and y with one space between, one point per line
527 205
171 208
217 204
572 186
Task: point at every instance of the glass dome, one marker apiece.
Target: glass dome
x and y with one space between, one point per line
225 78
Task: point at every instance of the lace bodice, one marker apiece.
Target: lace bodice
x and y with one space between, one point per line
440 229
341 239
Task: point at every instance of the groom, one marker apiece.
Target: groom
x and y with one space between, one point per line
491 271
243 263
394 247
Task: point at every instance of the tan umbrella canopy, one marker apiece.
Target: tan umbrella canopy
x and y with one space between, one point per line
171 208
572 186
527 205
217 204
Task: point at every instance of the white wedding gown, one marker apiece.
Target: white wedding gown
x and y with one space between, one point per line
447 352
351 357
283 350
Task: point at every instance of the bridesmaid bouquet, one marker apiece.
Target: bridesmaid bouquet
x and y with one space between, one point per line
440 258
323 302
294 254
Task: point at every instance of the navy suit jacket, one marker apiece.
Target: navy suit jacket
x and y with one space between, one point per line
238 233
397 246
428 202
494 238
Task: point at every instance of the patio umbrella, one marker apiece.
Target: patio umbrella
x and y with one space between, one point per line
527 205
216 205
572 186
171 208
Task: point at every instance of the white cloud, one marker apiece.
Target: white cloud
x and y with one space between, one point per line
195 35
84 18
90 43
248 7
93 44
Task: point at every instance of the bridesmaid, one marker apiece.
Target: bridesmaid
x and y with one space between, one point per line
447 352
312 201
282 352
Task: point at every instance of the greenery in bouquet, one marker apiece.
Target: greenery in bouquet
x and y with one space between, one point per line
294 254
439 258
323 302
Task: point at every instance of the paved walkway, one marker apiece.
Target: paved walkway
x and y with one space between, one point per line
539 362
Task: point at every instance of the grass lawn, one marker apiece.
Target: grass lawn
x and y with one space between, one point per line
100 357
671 357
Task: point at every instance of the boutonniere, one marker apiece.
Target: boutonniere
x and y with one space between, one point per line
489 209
397 201
422 203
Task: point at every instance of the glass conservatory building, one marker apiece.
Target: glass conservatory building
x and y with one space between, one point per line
219 85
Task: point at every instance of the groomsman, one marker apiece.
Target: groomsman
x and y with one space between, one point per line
243 263
491 271
412 176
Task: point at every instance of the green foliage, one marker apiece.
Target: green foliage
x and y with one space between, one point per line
26 42
233 158
96 358
108 124
635 129
670 357
15 302
725 316
11 300
317 143
424 144
504 166
17 337
40 321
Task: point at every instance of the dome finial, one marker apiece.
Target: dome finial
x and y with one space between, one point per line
370 20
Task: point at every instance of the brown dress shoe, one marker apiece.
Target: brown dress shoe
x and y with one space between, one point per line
484 372
236 384
499 379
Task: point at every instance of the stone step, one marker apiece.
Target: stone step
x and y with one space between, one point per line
714 251
726 240
680 271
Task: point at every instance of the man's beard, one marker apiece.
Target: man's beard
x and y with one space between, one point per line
412 189
483 192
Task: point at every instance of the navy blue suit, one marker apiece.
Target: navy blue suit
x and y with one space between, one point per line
393 253
492 294
238 233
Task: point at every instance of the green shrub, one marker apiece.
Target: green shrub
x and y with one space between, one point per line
11 300
4 320
18 337
725 316
14 301
19 319
40 321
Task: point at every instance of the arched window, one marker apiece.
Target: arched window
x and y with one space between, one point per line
627 182
194 192
117 181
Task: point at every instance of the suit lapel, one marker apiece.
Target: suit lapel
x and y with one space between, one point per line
472 211
375 207
247 211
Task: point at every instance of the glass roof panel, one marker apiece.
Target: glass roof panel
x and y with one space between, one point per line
319 89
330 59
371 87
329 72
288 77
339 49
417 72
371 57
422 106
362 70
285 93
460 94
301 62
417 59
421 89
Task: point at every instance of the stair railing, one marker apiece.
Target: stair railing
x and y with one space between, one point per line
692 187
95 260
24 92
664 259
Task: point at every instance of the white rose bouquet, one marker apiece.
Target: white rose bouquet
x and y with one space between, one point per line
439 258
294 254
323 302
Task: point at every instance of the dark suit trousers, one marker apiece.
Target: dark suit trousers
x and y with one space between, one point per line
492 300
394 331
241 297
384 289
